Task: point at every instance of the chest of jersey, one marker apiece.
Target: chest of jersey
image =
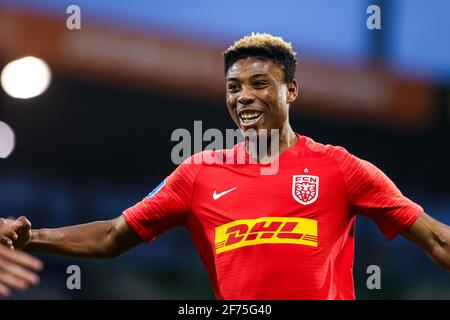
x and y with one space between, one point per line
300 204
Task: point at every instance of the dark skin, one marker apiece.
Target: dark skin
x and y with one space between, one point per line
259 85
252 85
100 239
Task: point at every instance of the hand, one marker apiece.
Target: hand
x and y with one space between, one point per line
23 232
8 232
17 270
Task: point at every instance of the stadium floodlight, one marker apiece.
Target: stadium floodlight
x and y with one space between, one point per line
25 78
6 140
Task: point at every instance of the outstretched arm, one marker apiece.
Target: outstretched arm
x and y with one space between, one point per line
433 237
100 239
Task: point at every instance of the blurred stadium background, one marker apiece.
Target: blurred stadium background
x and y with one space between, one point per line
98 139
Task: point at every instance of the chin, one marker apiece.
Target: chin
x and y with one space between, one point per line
255 132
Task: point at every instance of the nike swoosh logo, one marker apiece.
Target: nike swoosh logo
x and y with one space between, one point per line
218 195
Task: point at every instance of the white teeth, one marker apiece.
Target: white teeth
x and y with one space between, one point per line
249 115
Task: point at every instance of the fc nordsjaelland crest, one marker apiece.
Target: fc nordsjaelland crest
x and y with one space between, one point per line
305 188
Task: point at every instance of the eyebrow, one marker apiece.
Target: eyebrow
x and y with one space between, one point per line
252 77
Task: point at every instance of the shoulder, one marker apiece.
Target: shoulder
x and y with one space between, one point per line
347 163
337 153
206 158
201 160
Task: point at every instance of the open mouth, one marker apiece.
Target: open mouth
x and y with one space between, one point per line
250 116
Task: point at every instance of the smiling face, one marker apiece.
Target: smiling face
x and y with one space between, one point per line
258 96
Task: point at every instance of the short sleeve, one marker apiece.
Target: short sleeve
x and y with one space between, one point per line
166 206
372 194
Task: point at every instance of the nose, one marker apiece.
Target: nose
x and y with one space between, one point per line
246 97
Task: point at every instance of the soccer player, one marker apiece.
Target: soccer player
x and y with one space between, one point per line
288 235
17 269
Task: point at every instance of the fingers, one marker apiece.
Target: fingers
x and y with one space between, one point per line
8 232
25 223
4 291
7 221
18 224
20 258
7 225
17 271
10 278
16 276
6 241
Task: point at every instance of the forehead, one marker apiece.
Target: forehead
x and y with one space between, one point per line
246 68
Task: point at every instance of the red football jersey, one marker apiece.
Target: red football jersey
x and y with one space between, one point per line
283 236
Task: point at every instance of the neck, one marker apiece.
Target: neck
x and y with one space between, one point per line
264 154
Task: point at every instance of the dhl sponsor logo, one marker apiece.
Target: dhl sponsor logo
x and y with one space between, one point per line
249 232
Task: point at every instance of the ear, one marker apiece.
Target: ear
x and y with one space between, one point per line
292 91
